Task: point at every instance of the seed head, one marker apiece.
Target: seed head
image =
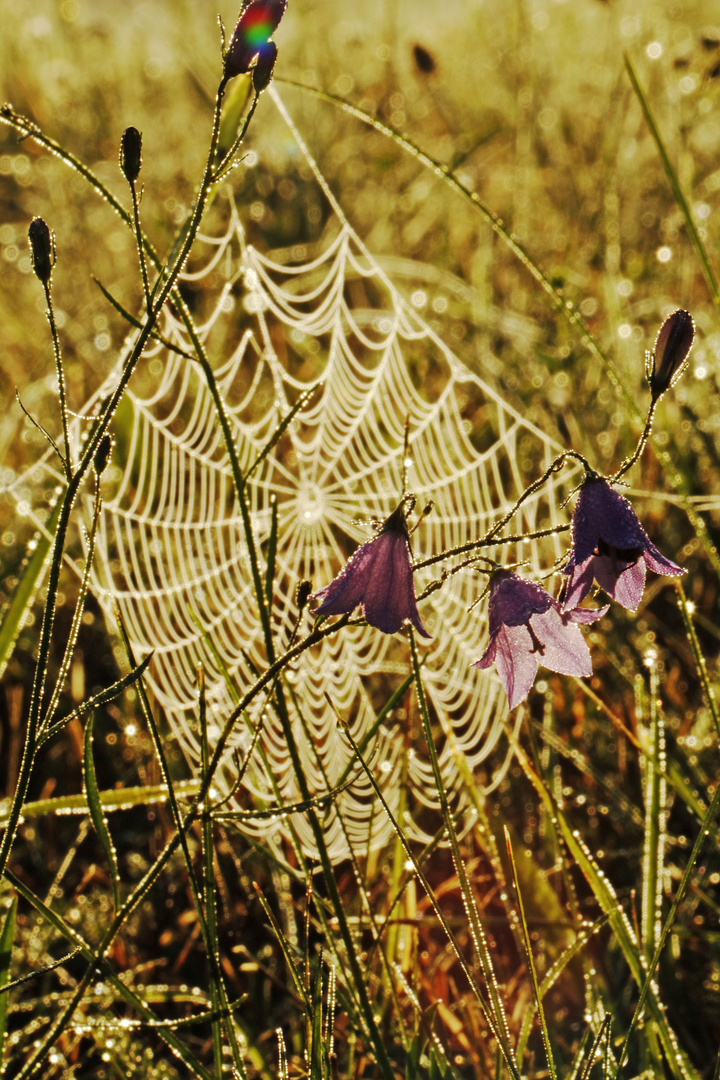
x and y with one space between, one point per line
131 154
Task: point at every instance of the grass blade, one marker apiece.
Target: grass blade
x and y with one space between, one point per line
96 810
24 593
675 185
7 936
531 962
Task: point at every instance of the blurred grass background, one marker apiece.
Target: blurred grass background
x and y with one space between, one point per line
530 103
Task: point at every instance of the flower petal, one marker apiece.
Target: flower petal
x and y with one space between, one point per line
564 648
625 583
579 583
346 591
516 663
657 562
389 597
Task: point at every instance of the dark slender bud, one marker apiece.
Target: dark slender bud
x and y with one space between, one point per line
42 249
257 23
131 154
671 351
424 60
102 454
264 65
303 595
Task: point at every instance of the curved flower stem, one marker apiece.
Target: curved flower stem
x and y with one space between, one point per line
475 545
556 466
496 1008
647 431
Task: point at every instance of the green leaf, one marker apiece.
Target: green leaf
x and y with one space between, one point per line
23 595
96 810
7 936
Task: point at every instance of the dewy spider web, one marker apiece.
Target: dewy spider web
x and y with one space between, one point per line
171 549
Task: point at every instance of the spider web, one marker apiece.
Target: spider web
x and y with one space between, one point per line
171 548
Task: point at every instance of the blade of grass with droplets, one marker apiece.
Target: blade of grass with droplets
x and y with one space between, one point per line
712 812
551 978
318 1059
675 184
393 1004
77 617
531 963
624 935
96 811
212 952
123 991
422 878
501 1029
210 909
29 581
654 838
7 937
113 800
285 946
98 699
596 1048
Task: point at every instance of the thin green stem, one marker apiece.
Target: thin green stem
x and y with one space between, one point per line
140 246
642 442
675 185
67 462
70 495
77 616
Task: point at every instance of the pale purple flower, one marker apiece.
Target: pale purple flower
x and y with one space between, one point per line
610 547
527 628
379 577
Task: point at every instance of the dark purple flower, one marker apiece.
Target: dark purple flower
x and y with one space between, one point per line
609 546
527 628
379 576
257 23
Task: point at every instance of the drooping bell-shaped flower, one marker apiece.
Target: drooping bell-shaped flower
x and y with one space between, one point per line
527 628
610 547
379 577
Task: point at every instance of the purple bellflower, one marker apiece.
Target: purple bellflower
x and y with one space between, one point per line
528 627
379 576
609 546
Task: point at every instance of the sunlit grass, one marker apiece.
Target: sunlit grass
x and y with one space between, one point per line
233 957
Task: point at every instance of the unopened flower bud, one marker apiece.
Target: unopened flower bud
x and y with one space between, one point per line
264 65
257 23
102 454
303 595
42 249
671 351
131 154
